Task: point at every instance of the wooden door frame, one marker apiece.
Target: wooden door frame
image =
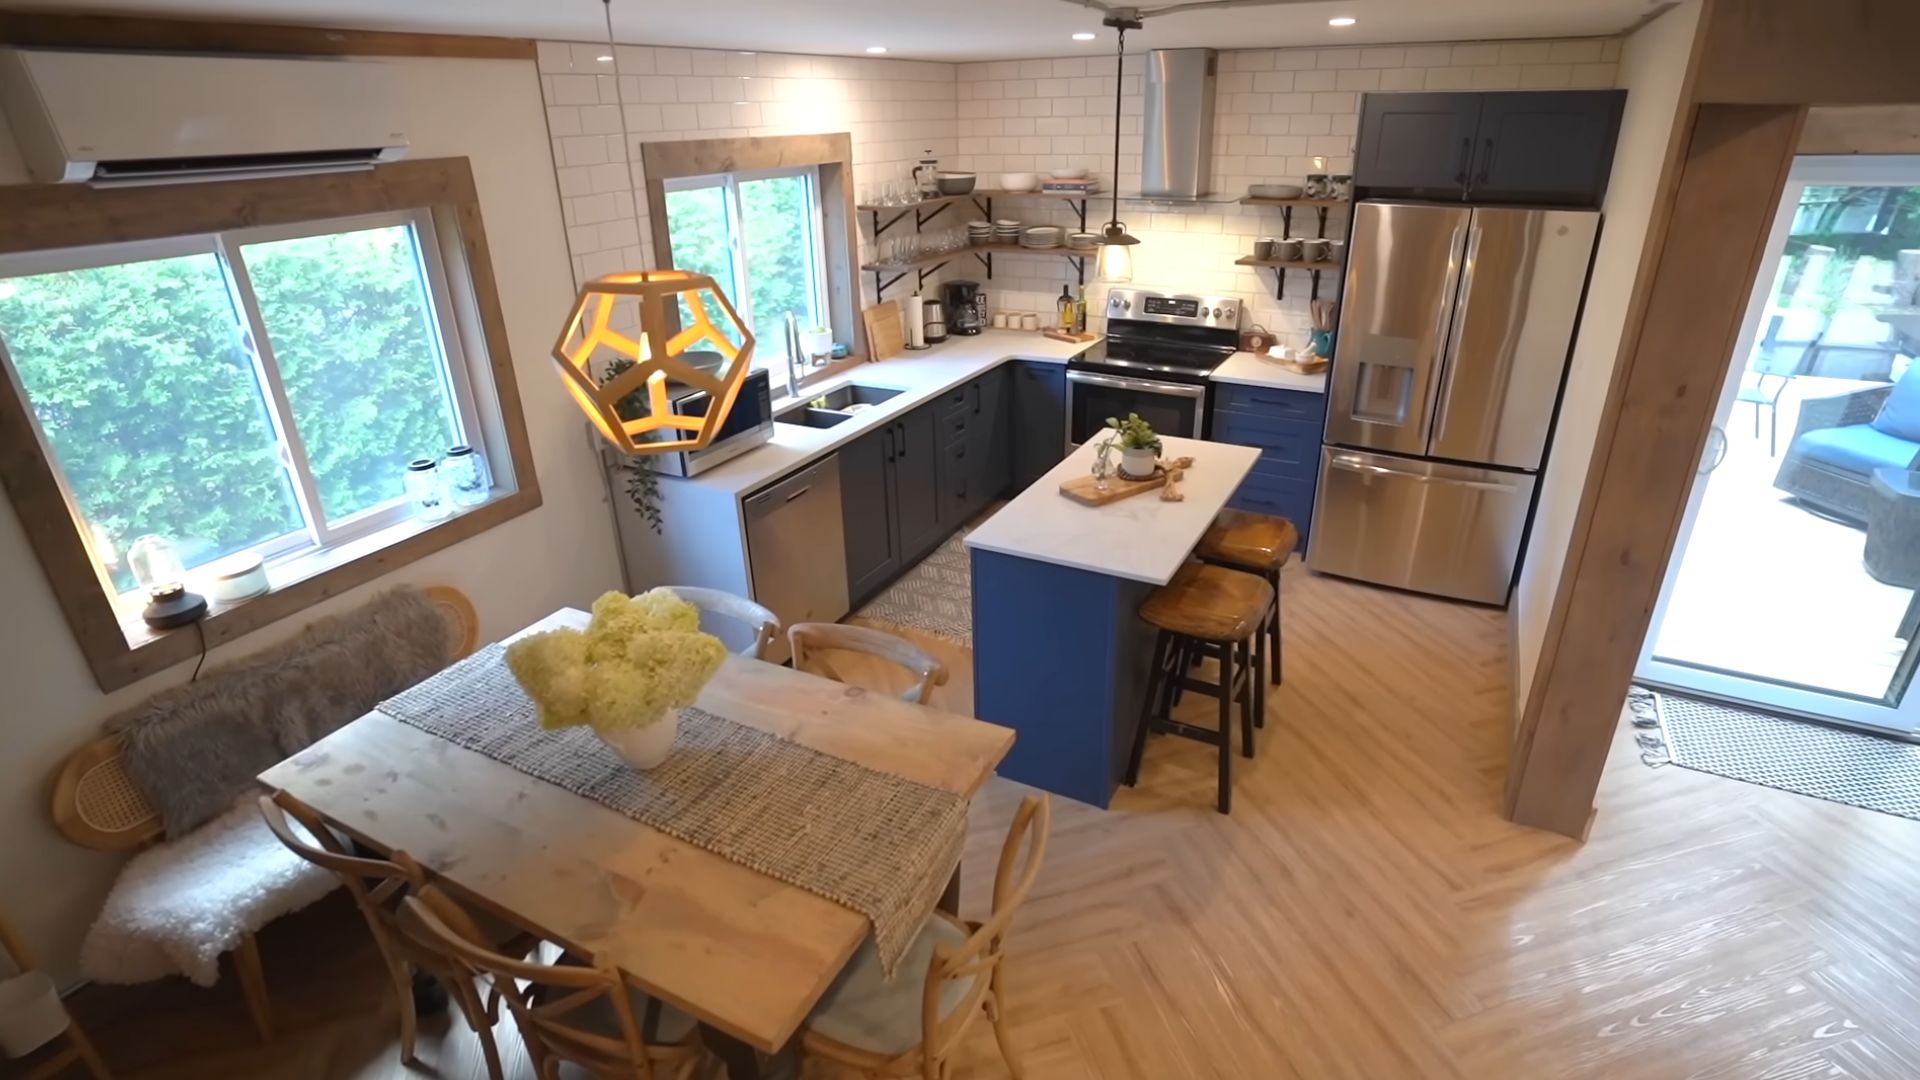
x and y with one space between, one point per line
1757 71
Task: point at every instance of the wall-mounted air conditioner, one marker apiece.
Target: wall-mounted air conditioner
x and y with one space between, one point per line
157 118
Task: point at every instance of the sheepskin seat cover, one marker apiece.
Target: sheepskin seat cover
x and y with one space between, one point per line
177 906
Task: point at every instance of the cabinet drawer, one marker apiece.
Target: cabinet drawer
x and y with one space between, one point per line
953 427
957 400
1268 402
1290 499
1292 444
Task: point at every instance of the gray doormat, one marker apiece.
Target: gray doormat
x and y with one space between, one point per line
935 597
1805 758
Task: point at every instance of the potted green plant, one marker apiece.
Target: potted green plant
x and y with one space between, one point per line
1139 446
627 676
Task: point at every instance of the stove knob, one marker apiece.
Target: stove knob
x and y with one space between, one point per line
1216 313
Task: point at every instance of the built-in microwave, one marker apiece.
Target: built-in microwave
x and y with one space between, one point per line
750 424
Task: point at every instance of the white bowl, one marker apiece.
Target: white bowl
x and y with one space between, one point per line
1019 181
1069 174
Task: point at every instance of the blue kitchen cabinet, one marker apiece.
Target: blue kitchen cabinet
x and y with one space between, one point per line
1286 426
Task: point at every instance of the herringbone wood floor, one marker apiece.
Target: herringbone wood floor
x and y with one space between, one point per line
1364 913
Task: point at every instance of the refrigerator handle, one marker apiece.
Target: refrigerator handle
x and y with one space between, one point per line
1356 463
1451 349
1443 311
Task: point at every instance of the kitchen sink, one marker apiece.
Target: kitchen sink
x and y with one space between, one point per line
807 416
855 394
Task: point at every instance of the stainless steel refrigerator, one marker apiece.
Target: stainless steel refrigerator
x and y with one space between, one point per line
1455 330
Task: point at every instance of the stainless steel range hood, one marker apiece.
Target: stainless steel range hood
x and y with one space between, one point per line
1177 153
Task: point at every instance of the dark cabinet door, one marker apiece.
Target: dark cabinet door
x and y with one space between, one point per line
1416 144
916 482
866 512
1038 419
989 441
1546 146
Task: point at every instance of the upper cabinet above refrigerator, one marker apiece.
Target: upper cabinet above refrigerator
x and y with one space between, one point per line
1533 147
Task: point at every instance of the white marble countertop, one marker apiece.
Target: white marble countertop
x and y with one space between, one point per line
923 376
1253 369
1141 538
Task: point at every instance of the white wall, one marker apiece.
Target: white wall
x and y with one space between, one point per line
563 553
895 110
1653 64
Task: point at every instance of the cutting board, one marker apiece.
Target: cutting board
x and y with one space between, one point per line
1086 489
1075 337
886 336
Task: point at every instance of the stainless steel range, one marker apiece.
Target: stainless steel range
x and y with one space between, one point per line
1160 351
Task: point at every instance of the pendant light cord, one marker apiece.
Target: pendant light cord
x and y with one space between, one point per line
1119 80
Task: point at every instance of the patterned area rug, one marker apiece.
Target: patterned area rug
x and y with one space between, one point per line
935 597
1792 755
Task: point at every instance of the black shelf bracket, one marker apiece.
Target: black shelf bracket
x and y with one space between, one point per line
986 260
1286 220
1079 268
882 226
985 208
921 217
1280 282
881 283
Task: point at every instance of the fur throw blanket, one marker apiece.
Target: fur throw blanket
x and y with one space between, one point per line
176 907
194 749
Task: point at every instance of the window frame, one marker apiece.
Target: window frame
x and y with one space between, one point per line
317 532
37 220
740 292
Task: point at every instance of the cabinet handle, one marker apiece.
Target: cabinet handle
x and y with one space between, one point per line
976 398
901 453
1486 162
888 432
1466 161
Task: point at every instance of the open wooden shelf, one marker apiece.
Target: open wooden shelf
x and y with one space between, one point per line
1289 264
1323 204
927 264
977 193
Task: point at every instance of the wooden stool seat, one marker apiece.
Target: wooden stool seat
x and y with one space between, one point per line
1210 603
1255 541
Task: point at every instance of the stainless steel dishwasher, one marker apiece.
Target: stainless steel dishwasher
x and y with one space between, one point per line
796 548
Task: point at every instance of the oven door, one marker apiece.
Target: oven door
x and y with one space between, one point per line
1173 408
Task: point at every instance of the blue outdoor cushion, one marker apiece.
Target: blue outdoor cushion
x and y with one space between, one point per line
1857 448
1900 415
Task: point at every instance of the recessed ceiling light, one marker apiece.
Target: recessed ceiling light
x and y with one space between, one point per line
604 59
876 48
1342 20
1083 36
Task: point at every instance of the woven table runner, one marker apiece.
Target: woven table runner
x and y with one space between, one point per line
880 844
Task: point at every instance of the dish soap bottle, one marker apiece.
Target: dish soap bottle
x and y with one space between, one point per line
1065 309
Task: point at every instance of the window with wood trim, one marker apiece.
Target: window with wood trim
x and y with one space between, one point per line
247 374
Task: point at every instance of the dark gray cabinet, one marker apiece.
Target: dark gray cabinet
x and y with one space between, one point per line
1038 419
916 483
1523 146
866 513
976 459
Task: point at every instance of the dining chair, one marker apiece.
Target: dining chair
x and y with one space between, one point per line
583 1014
758 621
809 640
952 976
377 886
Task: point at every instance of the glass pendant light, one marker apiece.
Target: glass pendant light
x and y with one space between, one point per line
1116 244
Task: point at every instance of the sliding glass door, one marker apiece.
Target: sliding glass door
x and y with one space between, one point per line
1792 586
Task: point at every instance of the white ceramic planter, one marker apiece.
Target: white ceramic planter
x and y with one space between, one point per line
1137 464
30 1013
645 747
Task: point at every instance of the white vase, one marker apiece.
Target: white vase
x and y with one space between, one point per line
1137 464
644 747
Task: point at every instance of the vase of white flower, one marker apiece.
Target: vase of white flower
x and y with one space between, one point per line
640 661
644 747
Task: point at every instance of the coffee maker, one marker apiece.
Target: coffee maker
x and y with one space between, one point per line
966 307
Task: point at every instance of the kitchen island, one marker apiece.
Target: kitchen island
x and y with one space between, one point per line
1059 653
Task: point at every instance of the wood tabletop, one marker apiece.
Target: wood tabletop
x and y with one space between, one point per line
739 950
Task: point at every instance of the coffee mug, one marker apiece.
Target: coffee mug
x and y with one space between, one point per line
1030 321
1287 250
1313 250
999 320
1263 249
1340 187
1336 251
1316 187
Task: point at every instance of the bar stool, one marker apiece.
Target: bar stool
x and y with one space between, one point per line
1205 611
1260 544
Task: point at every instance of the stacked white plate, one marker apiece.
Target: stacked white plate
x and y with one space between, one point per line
1083 241
979 232
1006 231
1041 236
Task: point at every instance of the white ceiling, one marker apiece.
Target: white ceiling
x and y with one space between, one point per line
921 29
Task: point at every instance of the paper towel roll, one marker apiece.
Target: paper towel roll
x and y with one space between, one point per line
916 322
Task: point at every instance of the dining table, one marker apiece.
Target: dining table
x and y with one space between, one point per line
748 956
